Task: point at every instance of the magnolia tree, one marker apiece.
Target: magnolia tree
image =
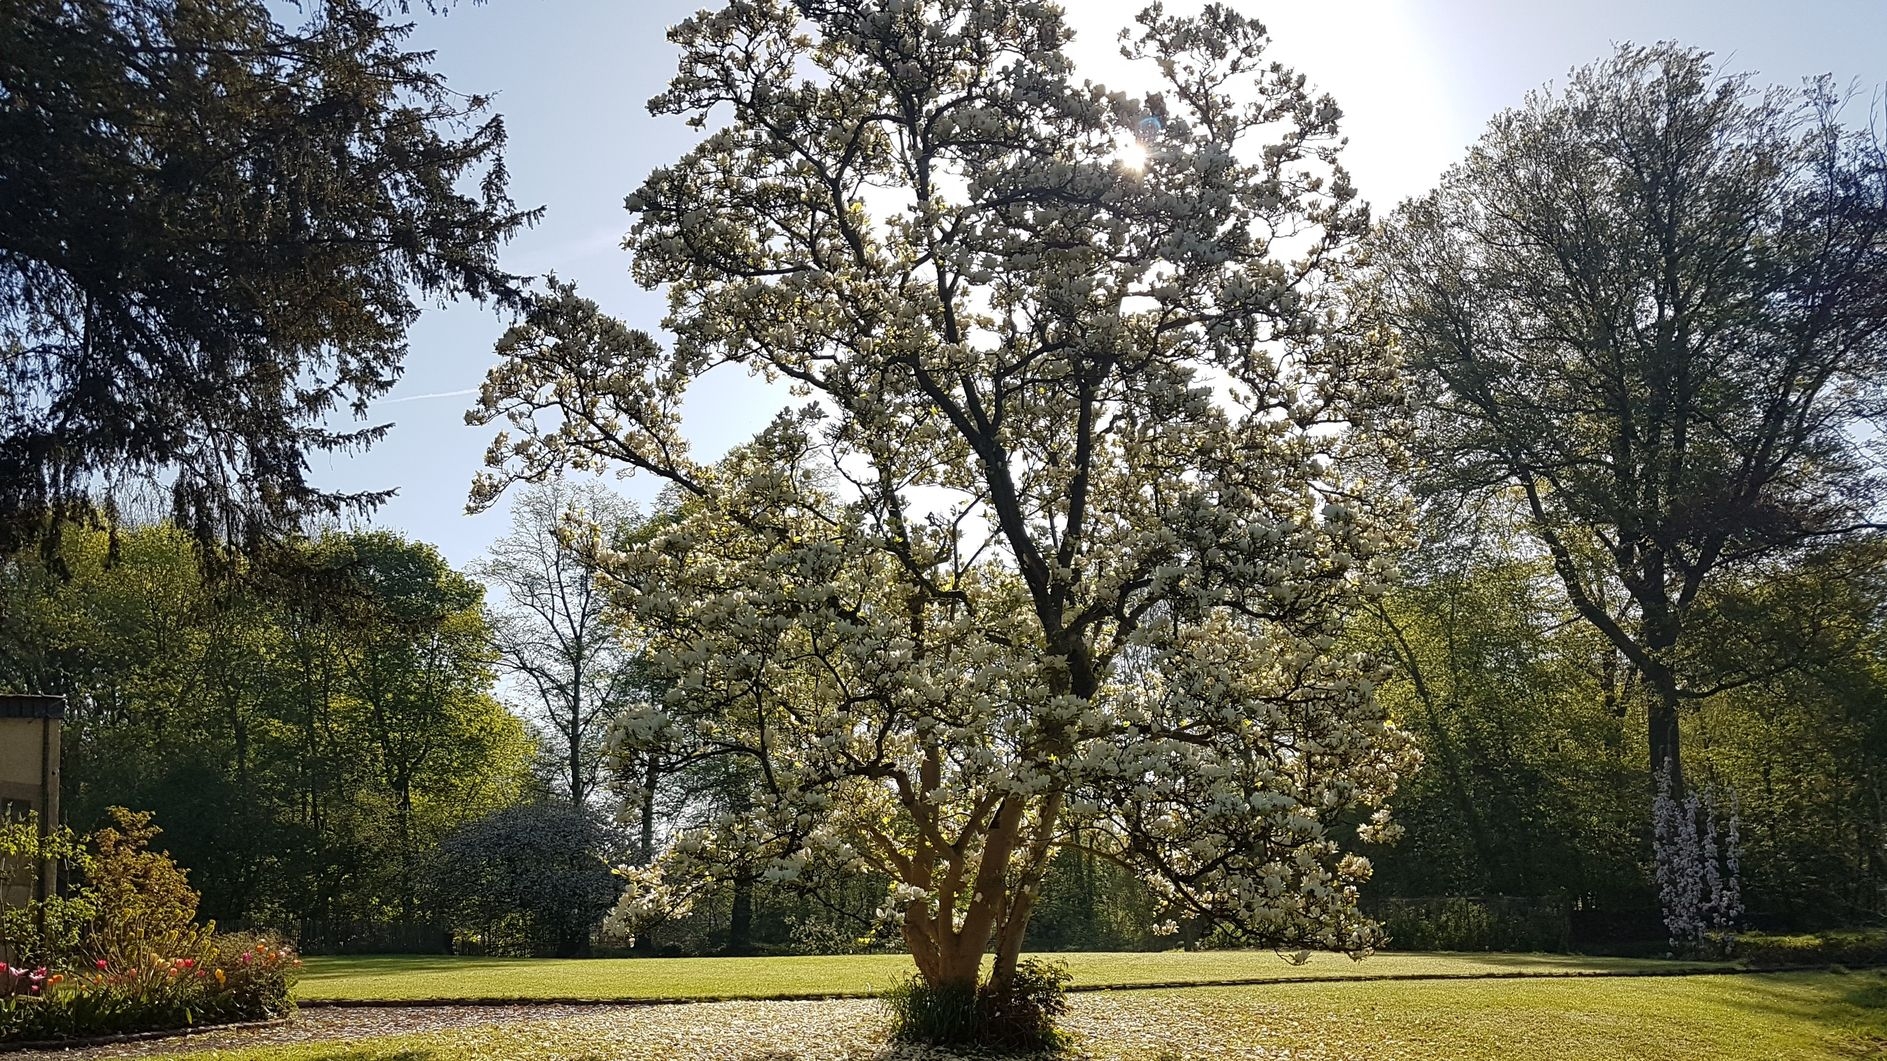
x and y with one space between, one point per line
1060 547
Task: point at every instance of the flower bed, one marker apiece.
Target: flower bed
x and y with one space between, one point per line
123 952
234 980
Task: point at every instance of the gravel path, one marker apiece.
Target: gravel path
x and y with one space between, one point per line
336 1023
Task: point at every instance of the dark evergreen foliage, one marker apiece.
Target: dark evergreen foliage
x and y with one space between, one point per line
214 234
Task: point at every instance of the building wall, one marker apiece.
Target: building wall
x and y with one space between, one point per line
29 775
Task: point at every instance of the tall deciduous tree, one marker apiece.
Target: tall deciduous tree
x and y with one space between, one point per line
419 665
552 626
214 234
1067 534
1653 306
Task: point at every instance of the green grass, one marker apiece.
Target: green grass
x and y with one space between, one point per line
1825 1016
408 978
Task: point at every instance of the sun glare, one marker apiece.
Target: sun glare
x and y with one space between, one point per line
1132 155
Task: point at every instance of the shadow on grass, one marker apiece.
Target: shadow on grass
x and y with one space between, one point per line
1846 1010
1595 963
346 966
368 1053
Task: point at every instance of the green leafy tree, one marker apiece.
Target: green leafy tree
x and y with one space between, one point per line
417 668
1650 304
1525 787
1805 751
231 707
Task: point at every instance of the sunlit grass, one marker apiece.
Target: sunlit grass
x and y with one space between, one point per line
407 978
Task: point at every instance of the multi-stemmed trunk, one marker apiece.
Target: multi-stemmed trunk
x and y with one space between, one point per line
949 952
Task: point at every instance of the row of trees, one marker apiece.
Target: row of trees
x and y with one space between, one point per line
1532 725
305 740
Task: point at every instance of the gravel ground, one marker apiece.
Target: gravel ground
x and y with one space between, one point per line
1825 1015
334 1024
825 1030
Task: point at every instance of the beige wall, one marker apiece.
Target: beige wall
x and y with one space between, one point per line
26 746
26 743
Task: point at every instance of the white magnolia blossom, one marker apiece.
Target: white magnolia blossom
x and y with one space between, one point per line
1068 532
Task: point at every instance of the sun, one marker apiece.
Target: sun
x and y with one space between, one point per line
1132 156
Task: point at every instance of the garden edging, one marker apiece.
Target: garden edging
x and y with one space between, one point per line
143 1036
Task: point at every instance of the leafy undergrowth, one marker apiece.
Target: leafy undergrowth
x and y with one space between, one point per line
1860 947
1801 1016
406 978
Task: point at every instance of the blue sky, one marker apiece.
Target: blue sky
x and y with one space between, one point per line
1417 80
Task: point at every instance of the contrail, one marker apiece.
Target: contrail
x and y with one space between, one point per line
423 397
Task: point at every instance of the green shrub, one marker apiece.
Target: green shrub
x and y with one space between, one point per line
1468 923
37 932
141 903
1859 947
937 1016
1019 1020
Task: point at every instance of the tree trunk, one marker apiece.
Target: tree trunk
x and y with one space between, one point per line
959 966
1660 625
740 921
1009 942
648 809
1663 736
574 731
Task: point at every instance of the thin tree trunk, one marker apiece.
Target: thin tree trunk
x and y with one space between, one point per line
740 921
648 809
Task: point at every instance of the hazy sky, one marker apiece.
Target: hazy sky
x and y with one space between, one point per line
1417 80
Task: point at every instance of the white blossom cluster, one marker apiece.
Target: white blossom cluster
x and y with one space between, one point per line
1068 531
1697 847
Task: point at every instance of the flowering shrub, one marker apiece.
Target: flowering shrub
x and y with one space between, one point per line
134 958
233 979
533 878
1698 849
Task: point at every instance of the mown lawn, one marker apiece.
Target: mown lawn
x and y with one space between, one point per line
1797 1016
406 978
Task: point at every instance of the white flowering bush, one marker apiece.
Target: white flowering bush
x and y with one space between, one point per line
1061 544
1697 848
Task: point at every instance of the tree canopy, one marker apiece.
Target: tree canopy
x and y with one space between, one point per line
214 234
1651 305
1072 522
